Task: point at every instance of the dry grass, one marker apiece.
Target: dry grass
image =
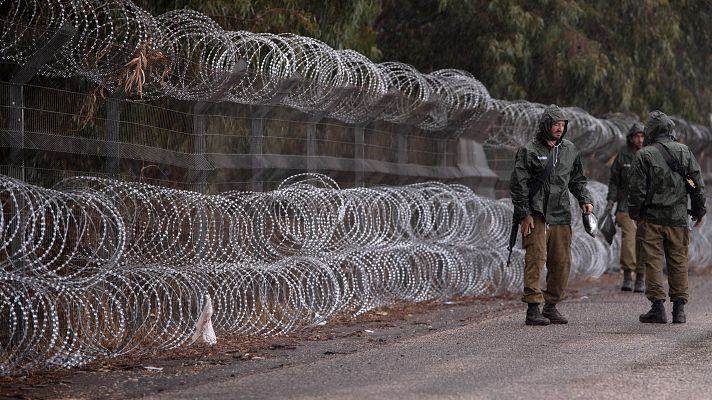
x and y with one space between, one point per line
132 76
89 107
131 79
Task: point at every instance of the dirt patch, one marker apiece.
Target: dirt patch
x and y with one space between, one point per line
234 357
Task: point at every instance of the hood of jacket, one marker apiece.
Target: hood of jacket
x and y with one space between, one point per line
658 125
635 128
552 114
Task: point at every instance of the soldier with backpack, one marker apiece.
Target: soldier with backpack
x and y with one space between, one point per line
663 175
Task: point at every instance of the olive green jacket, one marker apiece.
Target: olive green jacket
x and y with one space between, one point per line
657 193
552 200
620 178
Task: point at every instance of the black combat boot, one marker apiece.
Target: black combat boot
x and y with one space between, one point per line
534 317
627 280
553 314
656 315
678 311
639 282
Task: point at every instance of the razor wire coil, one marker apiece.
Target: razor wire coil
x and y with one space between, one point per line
98 268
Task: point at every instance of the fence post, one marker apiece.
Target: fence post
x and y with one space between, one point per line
402 153
17 91
312 122
417 116
199 126
112 126
257 135
442 152
360 134
17 129
17 116
199 148
257 132
359 154
199 144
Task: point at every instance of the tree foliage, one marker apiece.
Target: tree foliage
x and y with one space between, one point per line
340 24
602 55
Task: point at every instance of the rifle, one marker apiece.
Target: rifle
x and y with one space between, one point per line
533 190
512 238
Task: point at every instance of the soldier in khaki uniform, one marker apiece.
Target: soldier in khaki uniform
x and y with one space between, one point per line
618 193
658 202
546 215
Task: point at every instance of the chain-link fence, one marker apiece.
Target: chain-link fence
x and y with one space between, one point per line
207 147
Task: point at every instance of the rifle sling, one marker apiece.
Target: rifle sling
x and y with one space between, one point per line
533 189
540 179
674 164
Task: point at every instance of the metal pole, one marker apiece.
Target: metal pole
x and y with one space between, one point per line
28 71
199 125
359 154
17 127
360 133
199 148
258 134
112 126
311 141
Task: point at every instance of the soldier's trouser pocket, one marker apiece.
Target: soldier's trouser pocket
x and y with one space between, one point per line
534 259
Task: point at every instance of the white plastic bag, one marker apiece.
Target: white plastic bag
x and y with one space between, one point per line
204 332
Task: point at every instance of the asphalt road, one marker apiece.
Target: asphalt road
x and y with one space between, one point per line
604 352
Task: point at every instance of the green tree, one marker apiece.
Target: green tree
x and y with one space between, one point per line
601 55
340 24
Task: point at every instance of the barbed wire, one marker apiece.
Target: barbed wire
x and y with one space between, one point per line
99 268
186 55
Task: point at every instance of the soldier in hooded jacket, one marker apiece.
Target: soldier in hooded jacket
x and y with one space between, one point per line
618 193
658 202
546 216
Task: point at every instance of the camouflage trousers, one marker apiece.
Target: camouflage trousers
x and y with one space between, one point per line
658 244
628 242
550 245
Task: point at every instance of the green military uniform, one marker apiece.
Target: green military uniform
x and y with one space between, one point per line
618 193
658 201
550 240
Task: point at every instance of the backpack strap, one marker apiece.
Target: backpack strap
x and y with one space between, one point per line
674 164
